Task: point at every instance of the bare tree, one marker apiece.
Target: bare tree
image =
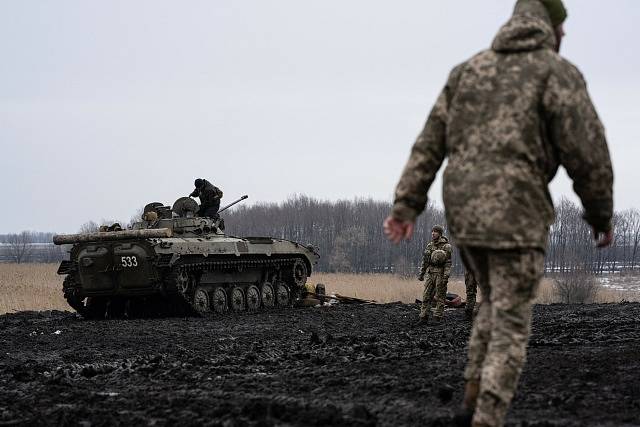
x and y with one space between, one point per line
52 253
404 268
89 227
19 246
136 217
627 239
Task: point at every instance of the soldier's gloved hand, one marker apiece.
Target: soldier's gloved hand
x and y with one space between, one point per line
421 277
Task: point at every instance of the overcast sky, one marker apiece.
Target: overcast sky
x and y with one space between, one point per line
105 106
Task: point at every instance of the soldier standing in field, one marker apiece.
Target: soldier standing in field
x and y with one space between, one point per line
471 287
209 195
436 264
507 119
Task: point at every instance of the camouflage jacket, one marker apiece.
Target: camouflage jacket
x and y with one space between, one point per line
507 119
427 266
208 194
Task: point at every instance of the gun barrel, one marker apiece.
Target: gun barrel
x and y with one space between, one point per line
103 236
233 203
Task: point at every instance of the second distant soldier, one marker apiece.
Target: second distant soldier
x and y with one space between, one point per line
435 268
209 195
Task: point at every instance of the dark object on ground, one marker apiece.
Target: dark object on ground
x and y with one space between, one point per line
181 264
453 300
338 365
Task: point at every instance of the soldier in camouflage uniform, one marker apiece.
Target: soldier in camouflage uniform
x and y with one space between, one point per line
471 286
436 264
209 195
507 119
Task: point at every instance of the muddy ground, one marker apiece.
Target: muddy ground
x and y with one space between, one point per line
339 365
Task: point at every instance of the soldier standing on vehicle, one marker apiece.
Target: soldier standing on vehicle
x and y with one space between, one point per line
507 119
209 195
436 264
471 287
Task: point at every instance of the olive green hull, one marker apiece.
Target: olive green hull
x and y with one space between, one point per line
192 273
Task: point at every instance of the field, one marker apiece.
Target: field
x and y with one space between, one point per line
341 365
30 287
349 365
38 287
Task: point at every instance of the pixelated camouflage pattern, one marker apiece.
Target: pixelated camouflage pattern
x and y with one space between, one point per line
507 119
508 281
435 286
437 276
427 265
471 288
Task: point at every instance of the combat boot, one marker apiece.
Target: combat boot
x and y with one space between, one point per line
437 319
464 414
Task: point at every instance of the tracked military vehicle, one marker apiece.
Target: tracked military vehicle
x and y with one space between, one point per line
175 262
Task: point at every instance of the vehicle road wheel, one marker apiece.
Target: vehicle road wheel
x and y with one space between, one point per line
282 295
219 301
253 298
299 273
201 301
237 299
182 282
267 295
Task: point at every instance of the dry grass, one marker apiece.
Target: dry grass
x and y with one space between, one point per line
546 294
30 287
389 288
38 287
378 287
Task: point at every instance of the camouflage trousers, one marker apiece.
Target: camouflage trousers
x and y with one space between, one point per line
508 282
435 284
471 285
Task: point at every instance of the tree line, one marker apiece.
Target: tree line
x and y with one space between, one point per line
348 235
29 246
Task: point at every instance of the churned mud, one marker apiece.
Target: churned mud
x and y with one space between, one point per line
339 365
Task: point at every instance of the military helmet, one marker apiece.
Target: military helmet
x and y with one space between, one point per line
198 182
438 257
439 229
150 216
557 11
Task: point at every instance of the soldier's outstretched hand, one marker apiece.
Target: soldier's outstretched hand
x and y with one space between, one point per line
397 230
603 239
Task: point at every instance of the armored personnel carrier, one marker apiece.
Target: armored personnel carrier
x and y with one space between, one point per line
175 262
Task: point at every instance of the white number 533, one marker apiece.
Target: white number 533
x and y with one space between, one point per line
129 261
